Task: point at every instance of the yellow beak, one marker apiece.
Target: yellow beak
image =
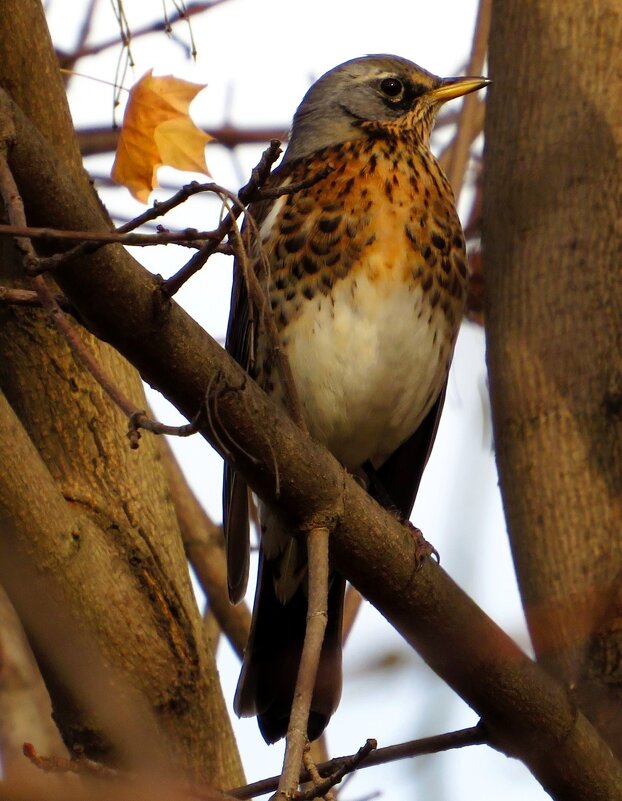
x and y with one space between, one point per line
456 87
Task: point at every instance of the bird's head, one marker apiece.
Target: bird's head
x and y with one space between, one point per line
368 93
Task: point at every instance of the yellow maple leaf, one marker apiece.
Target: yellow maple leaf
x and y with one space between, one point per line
157 130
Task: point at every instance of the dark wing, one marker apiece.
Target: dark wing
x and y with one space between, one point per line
239 343
270 668
234 490
401 474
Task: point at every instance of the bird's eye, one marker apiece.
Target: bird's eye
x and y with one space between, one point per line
392 87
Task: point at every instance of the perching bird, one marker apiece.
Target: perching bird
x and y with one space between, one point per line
366 275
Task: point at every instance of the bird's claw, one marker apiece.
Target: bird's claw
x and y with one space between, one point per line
423 548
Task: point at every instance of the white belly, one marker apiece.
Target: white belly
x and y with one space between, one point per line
369 363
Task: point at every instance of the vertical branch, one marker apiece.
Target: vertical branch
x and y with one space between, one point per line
457 155
317 613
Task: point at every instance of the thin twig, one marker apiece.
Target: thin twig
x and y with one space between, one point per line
245 195
475 735
104 237
162 207
319 789
139 419
103 139
317 614
76 764
156 27
90 241
158 209
458 153
17 217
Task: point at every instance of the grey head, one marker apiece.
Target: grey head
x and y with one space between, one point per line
368 92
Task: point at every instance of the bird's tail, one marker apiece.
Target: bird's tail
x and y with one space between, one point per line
268 678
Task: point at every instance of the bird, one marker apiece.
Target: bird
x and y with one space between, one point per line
363 263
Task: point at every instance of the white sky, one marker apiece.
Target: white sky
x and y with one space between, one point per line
258 58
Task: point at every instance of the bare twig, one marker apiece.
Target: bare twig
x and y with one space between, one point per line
139 419
155 27
317 613
94 240
457 156
319 789
245 195
474 735
125 58
162 207
89 245
90 241
103 139
97 140
76 764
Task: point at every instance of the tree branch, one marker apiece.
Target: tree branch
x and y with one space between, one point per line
317 615
378 756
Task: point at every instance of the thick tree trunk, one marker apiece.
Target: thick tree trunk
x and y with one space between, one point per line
90 541
552 244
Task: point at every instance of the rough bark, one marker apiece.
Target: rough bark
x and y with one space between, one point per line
552 239
85 519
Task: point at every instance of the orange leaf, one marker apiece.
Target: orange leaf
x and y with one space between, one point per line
157 130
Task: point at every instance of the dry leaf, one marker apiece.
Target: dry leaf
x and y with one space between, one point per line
157 130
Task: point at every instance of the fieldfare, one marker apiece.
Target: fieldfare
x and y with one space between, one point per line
366 274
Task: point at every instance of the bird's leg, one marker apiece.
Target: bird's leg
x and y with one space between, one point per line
377 490
423 548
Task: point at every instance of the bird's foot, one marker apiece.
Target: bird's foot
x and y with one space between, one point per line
423 549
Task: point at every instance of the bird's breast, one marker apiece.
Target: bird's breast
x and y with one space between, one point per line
367 286
369 361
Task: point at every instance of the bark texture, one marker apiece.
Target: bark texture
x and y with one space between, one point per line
552 244
90 540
